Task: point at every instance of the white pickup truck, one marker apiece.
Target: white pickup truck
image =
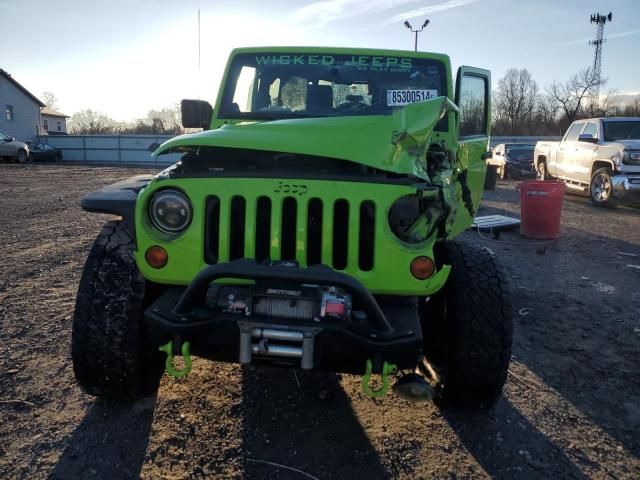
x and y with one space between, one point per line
598 156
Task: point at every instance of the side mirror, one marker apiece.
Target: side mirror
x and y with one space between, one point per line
196 114
587 138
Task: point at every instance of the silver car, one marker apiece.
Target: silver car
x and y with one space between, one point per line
12 149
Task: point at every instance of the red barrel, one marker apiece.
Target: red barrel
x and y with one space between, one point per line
540 209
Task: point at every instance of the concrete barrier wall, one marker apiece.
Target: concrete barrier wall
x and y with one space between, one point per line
110 149
134 149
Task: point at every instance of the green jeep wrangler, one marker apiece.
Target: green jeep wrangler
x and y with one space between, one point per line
309 226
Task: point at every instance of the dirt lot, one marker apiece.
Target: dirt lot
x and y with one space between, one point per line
571 407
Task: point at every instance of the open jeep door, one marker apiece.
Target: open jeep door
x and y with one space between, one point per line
473 97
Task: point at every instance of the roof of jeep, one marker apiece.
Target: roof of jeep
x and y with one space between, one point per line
344 51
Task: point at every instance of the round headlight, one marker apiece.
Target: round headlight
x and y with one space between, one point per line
170 211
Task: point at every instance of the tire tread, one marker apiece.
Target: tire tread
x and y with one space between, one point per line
111 357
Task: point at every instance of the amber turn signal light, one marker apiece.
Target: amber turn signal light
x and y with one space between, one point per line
156 256
422 268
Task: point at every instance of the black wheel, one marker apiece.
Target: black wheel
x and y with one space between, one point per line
542 172
468 328
57 157
601 189
111 355
21 156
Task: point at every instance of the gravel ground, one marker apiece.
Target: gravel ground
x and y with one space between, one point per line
571 407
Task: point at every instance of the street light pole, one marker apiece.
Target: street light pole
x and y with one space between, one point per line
416 31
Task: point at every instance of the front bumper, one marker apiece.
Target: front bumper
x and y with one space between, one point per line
383 329
626 188
521 170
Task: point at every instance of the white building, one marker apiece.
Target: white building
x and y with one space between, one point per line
19 109
53 122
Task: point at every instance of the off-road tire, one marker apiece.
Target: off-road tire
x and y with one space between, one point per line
111 355
468 328
610 201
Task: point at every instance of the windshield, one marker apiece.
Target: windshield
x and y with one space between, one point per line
524 152
276 86
629 130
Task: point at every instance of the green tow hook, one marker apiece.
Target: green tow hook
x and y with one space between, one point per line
387 369
168 349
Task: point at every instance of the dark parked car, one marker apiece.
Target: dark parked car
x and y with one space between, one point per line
42 151
515 159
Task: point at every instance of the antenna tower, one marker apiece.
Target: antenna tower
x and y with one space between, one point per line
600 21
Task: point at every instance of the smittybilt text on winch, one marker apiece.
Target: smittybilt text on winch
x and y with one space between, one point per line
309 225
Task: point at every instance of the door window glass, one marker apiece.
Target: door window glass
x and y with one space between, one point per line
473 106
244 89
574 131
591 129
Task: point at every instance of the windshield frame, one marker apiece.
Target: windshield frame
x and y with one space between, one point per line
227 91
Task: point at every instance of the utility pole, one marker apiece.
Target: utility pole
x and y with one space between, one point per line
408 25
599 20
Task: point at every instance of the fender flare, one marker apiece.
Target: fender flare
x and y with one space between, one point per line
118 199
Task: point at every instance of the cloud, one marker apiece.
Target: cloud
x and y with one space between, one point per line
438 7
585 41
321 13
623 34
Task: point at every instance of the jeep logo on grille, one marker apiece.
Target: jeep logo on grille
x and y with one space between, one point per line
290 188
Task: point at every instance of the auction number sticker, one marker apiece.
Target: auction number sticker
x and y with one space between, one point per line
397 98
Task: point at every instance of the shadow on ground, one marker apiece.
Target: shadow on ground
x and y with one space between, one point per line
311 427
507 445
110 442
580 300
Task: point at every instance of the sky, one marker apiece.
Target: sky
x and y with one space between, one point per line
126 57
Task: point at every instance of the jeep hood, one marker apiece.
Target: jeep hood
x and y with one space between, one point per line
395 143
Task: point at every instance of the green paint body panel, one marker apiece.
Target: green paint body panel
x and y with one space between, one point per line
367 140
395 143
390 273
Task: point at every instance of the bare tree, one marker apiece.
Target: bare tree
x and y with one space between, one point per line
571 95
157 122
606 106
632 109
90 122
50 100
515 101
545 117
